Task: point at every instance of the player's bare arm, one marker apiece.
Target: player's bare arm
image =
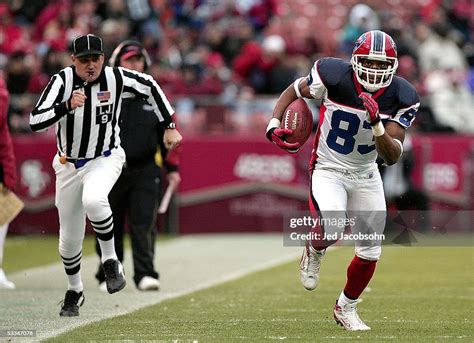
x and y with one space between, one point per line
389 138
389 145
274 133
289 95
286 98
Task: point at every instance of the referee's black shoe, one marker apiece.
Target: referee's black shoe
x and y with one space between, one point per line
71 303
114 276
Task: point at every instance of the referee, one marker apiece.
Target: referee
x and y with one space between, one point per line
84 102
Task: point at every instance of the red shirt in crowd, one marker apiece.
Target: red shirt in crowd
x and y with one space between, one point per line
7 158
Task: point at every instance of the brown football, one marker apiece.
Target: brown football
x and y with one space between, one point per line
299 118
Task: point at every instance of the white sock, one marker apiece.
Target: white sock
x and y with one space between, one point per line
75 282
343 300
107 248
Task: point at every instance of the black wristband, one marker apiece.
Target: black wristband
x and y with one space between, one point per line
372 123
270 133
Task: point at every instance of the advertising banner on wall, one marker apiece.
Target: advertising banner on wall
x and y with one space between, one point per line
242 184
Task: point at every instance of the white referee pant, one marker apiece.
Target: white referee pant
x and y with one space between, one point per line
81 192
356 196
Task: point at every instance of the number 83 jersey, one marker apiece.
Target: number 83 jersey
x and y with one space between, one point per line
344 138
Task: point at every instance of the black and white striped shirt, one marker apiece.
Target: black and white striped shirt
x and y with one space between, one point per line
90 130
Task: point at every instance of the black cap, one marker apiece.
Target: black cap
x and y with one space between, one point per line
87 45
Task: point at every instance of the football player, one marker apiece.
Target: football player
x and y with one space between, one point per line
365 110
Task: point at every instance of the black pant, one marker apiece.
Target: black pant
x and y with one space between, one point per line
134 196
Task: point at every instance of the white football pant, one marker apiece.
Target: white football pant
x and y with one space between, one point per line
81 192
342 194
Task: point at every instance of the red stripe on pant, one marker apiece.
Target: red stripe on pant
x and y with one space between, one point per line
318 231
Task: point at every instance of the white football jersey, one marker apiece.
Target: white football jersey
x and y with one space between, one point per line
344 138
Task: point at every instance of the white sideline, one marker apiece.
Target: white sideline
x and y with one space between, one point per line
186 264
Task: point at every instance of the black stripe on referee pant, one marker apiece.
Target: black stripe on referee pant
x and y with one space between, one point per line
72 271
72 265
100 222
69 259
104 229
69 264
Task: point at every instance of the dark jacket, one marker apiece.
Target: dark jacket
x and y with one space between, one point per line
141 134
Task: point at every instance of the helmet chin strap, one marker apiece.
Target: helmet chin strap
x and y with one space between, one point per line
361 89
366 84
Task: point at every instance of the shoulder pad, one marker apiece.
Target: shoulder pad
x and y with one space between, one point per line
331 70
406 92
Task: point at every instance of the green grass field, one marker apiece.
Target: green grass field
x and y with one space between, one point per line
417 295
23 252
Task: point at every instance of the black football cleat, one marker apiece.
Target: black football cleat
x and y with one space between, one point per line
71 303
114 276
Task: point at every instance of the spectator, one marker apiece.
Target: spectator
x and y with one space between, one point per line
451 100
437 51
256 62
258 11
362 18
12 36
18 73
145 24
7 169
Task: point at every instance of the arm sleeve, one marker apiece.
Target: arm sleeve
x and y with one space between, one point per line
315 83
50 107
147 87
409 103
406 116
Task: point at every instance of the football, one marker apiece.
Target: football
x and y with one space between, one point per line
298 117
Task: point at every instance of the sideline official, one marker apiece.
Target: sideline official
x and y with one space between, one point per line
135 194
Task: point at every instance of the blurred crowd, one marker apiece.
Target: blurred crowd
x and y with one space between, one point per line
222 61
